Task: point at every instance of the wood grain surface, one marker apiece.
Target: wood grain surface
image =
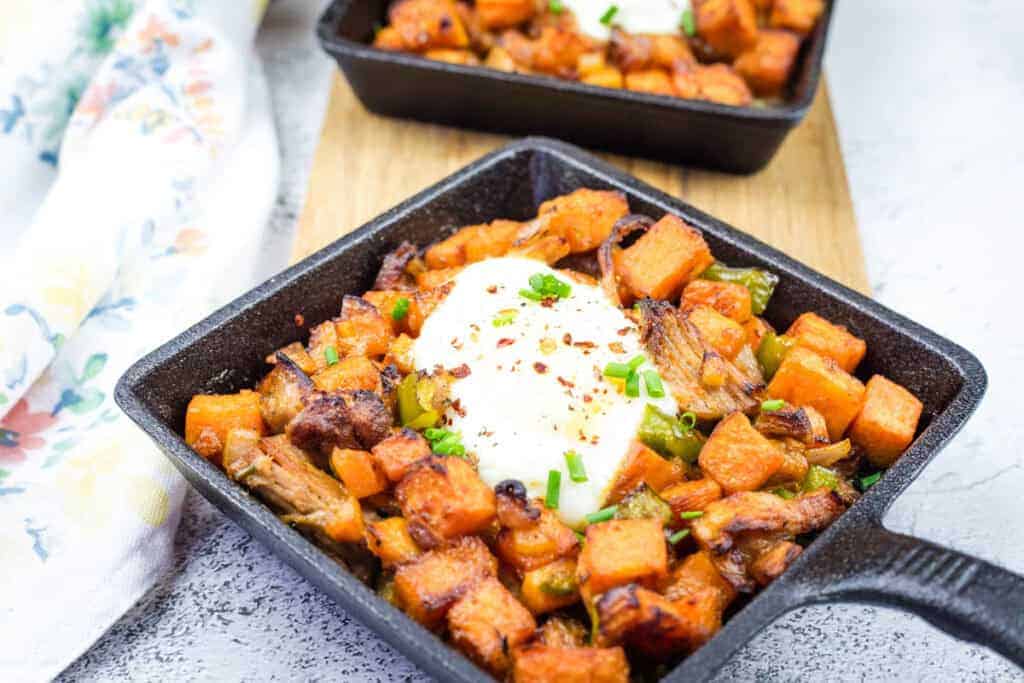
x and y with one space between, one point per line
800 203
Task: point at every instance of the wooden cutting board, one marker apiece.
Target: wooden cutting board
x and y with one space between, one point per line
800 203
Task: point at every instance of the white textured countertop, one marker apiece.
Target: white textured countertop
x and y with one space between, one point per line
929 99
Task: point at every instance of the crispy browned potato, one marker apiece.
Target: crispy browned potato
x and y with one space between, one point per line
515 509
664 260
428 586
550 587
712 82
297 354
359 473
583 217
529 547
487 623
756 328
738 457
700 594
216 415
807 379
766 66
645 620
389 540
770 564
362 330
428 24
728 298
813 332
543 664
349 374
444 498
796 15
653 81
691 496
464 57
622 551
643 466
887 423
397 453
724 335
388 38
728 27
496 14
557 49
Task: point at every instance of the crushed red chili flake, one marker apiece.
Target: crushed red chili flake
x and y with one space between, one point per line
457 407
548 302
617 347
460 371
505 341
300 320
594 439
587 398
564 382
585 344
492 289
456 344
540 367
567 339
623 332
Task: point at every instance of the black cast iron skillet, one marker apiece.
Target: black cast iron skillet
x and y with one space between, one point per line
734 139
854 559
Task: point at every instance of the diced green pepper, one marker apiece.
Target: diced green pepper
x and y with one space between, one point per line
559 586
772 350
423 420
819 477
644 503
666 435
761 283
414 403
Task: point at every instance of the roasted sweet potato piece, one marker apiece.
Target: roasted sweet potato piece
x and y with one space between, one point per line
550 587
700 594
428 586
805 424
712 82
496 14
428 24
796 15
322 337
766 66
500 59
449 56
544 664
349 374
400 354
399 452
219 414
622 551
690 496
738 457
444 498
546 248
530 547
557 49
607 77
722 334
584 217
728 298
515 509
770 564
297 354
646 621
362 330
359 473
450 252
389 540
756 328
283 393
807 379
643 466
487 623
728 27
423 304
385 302
813 332
493 239
388 38
637 52
887 422
653 81
664 260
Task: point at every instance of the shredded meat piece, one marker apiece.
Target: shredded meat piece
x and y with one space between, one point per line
283 392
805 424
392 274
345 419
679 352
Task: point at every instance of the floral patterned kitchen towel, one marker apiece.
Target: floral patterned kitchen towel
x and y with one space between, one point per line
140 165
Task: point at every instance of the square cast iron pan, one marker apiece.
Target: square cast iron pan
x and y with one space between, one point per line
734 139
854 559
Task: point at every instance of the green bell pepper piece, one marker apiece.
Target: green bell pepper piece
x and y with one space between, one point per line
666 435
819 477
644 503
771 351
761 283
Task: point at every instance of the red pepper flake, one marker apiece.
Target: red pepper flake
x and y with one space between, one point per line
567 339
456 344
594 439
457 407
587 398
505 341
548 302
623 332
300 320
493 289
460 372
585 345
540 367
617 347
565 383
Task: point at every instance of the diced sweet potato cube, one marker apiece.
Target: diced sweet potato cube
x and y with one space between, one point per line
546 248
359 473
644 466
321 338
444 498
606 77
664 260
220 413
645 620
557 49
622 551
529 547
362 330
807 379
724 335
691 496
887 423
551 587
813 332
701 594
766 66
544 664
389 540
449 56
496 14
756 328
494 239
487 623
427 24
728 298
584 217
738 457
667 50
653 81
385 301
428 586
796 15
298 355
423 304
400 354
450 252
388 38
349 374
728 27
429 279
399 452
712 82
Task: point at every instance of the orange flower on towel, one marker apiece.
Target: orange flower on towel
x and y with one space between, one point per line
154 31
19 432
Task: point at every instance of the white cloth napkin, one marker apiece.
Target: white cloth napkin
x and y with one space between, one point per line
140 165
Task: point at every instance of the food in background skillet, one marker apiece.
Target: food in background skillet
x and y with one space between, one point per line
724 51
568 444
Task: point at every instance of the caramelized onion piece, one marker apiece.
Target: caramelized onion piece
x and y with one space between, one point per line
623 228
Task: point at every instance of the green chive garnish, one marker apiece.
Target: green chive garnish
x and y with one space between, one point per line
579 535
609 15
554 489
602 515
505 318
678 536
331 354
544 286
401 309
556 6
688 421
636 362
869 481
772 405
688 23
531 295
655 389
444 442
785 494
633 385
575 464
691 514
617 370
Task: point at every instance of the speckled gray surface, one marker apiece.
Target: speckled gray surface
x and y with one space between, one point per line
935 181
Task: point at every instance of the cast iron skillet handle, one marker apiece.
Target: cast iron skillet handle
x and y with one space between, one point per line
966 597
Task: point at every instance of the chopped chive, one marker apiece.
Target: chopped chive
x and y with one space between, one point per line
444 442
505 317
602 515
401 309
331 354
691 514
575 464
609 15
554 489
772 405
434 434
688 23
556 6
537 282
579 535
785 494
655 389
869 481
636 361
617 370
633 385
546 287
678 536
688 421
531 295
